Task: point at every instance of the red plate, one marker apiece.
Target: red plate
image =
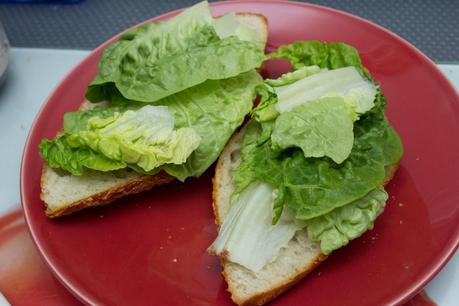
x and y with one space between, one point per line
151 248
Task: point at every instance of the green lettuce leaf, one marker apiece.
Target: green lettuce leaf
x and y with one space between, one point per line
293 76
159 59
59 154
320 128
347 83
348 222
265 110
312 187
311 83
309 186
214 110
78 121
312 52
106 140
145 138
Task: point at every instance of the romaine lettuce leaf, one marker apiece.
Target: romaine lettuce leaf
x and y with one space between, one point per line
313 52
214 110
320 128
59 154
348 222
265 110
106 140
78 121
159 59
293 76
247 236
312 187
311 83
346 82
145 138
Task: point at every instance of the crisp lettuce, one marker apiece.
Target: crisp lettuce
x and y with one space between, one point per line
312 52
265 110
78 121
106 140
320 128
312 187
145 138
293 76
348 222
346 82
214 110
159 59
247 236
59 154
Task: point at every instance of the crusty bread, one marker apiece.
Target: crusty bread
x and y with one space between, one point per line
297 259
63 193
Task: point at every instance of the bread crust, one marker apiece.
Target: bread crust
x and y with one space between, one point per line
264 297
131 186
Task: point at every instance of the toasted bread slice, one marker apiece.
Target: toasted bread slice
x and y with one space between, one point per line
63 193
296 260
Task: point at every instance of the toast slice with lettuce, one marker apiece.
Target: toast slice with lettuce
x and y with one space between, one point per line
165 100
306 175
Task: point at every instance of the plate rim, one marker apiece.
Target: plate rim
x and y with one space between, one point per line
446 254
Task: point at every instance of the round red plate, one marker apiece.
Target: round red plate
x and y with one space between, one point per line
151 248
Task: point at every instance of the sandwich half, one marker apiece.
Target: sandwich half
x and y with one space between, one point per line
296 182
298 258
64 191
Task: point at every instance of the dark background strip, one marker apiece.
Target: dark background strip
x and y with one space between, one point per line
432 26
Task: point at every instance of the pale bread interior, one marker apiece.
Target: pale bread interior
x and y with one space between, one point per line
61 188
64 194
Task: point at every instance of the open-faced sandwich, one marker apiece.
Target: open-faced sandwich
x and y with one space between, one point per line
166 98
306 175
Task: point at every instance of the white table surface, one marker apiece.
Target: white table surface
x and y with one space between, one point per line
32 75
